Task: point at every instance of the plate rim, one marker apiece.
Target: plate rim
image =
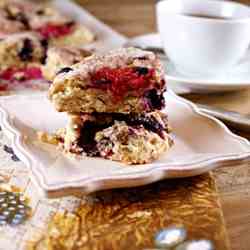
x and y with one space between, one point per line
143 177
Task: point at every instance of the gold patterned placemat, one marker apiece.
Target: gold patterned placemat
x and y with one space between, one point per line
129 218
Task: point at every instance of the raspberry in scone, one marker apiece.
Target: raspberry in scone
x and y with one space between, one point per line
60 58
129 138
19 52
122 81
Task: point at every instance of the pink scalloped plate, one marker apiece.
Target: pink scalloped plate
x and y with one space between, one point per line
202 143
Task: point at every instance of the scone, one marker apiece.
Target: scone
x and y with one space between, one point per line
122 81
59 58
129 138
57 28
19 52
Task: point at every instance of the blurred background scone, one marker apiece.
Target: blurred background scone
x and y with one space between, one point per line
21 50
59 29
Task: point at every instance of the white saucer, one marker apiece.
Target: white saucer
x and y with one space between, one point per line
237 79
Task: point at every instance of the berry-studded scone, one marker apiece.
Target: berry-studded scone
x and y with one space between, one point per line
58 28
129 138
21 56
62 57
122 81
23 15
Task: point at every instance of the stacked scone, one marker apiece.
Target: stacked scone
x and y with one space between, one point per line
114 104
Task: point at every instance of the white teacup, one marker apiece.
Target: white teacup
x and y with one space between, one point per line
208 45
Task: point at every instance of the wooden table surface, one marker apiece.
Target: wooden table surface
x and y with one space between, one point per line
135 17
